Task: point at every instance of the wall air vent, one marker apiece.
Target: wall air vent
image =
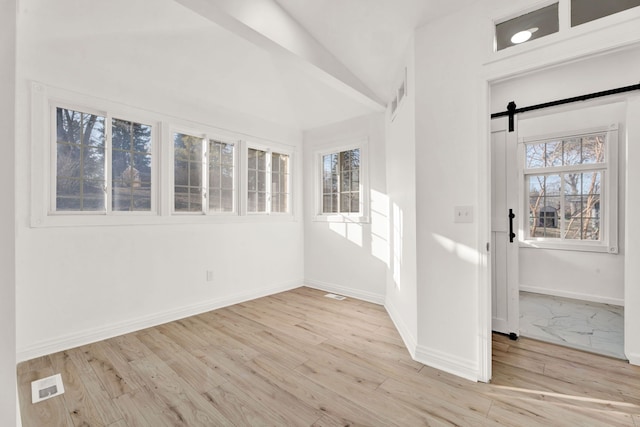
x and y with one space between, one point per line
399 95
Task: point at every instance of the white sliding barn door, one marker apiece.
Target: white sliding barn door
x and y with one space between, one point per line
504 253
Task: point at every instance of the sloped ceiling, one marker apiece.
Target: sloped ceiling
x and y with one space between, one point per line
296 63
369 37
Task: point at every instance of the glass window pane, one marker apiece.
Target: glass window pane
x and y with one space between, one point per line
591 183
262 202
334 203
345 202
539 23
68 160
345 181
252 201
262 181
326 203
252 158
275 203
572 152
535 155
214 176
553 154
215 203
583 11
593 149
252 181
355 181
227 154
80 161
227 177
355 202
262 160
552 185
227 200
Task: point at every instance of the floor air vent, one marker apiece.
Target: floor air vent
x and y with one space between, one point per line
334 296
46 388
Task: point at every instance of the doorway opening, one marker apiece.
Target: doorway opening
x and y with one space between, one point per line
562 279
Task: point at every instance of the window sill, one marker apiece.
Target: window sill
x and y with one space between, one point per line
356 219
570 246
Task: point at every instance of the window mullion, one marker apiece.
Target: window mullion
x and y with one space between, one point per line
108 162
563 223
205 175
268 181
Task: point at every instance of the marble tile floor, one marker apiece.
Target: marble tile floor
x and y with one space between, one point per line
589 326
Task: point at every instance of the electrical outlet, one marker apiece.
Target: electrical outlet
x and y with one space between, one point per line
463 214
209 275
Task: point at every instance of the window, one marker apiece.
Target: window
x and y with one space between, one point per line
570 189
131 166
341 184
84 148
264 166
96 162
204 171
530 26
583 11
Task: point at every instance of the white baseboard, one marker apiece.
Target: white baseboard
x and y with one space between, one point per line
572 295
455 365
343 290
88 336
634 359
409 340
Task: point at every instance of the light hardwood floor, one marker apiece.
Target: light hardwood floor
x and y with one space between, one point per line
300 359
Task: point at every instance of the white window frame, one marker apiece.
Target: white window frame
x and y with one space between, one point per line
206 136
608 199
43 163
44 101
268 148
108 166
363 215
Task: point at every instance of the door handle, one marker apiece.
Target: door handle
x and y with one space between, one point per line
511 233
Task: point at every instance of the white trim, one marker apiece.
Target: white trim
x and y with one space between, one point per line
447 362
56 344
346 291
409 340
634 358
572 295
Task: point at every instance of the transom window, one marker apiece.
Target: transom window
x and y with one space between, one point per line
85 144
569 188
268 178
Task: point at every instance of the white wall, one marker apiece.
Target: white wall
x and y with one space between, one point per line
582 275
454 64
7 215
78 284
447 150
632 267
401 191
348 258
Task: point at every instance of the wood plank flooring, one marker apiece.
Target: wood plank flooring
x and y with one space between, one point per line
299 359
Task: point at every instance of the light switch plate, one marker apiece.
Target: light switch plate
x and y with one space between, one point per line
463 214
